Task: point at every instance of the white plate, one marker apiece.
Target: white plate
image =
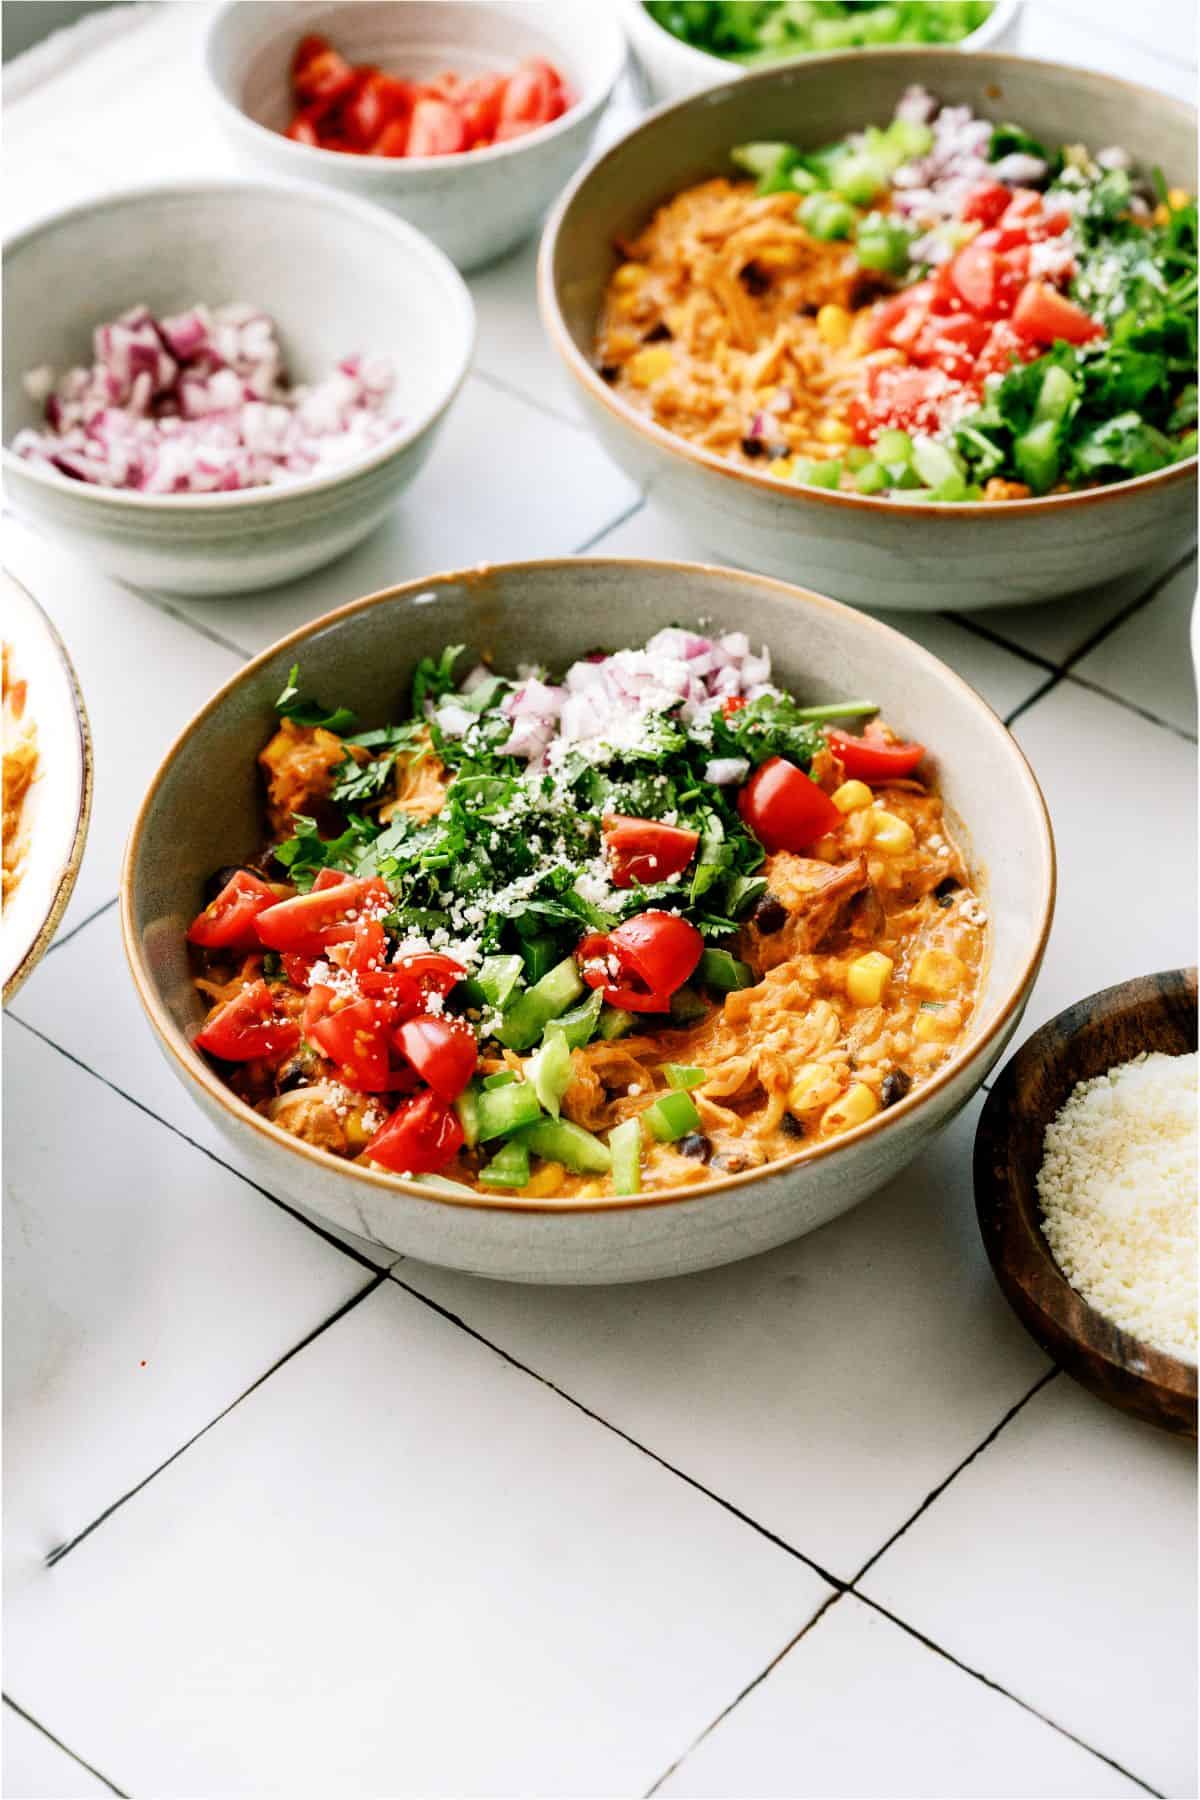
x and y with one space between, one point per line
59 801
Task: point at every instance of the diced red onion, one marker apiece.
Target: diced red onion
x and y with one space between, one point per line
726 771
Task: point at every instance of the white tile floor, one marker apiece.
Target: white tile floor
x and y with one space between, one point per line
280 1520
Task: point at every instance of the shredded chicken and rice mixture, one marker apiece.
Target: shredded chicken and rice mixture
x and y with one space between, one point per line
20 770
641 928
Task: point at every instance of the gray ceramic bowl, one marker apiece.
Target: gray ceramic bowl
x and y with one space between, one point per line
203 810
873 552
474 207
336 275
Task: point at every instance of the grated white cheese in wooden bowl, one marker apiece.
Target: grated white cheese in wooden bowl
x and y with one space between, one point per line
1117 1187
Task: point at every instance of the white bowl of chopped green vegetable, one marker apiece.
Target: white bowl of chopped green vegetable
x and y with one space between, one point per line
1105 463
203 810
682 46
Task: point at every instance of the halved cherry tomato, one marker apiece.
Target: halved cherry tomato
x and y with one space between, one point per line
1048 317
420 1137
298 969
876 755
303 923
654 954
356 1039
227 923
320 999
435 129
248 1026
417 976
986 202
645 851
785 809
369 949
442 1051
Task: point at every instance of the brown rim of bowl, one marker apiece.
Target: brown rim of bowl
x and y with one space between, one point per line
70 868
583 372
193 1065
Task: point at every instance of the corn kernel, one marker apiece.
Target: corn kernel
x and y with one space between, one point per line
852 796
856 1106
934 1028
867 977
650 364
892 834
833 325
1177 197
548 1180
357 1135
782 467
628 276
860 332
937 972
1162 214
833 431
814 1085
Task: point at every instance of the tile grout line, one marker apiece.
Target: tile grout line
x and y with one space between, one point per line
833 1581
513 392
59 1745
1128 611
939 1490
319 1230
66 936
1142 712
987 1680
598 537
745 1692
1039 693
168 608
56 1556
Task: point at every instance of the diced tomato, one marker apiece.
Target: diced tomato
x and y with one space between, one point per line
312 44
369 949
875 756
303 129
227 923
356 1039
645 851
381 99
785 809
392 140
1048 317
318 1003
442 1051
303 923
996 357
731 704
1024 203
986 202
298 969
410 981
420 1137
951 342
654 954
329 878
532 97
248 1026
479 108
435 129
906 399
323 80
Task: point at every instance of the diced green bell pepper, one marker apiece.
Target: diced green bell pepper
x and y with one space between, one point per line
684 1075
826 217
625 1147
578 1026
531 1011
502 1078
1036 455
892 446
671 1116
509 1168
615 1022
687 1006
723 973
871 479
558 1140
882 244
936 464
1056 395
540 955
550 1071
497 978
504 1110
771 164
817 471
467 1108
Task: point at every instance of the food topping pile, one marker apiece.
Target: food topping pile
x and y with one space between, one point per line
652 922
200 404
757 32
1117 1188
363 111
941 309
20 758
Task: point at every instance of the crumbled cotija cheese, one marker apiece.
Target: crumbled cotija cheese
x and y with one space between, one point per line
1117 1187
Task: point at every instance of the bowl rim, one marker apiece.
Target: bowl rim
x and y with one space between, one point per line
834 65
192 1066
82 754
453 290
1176 1375
997 21
311 158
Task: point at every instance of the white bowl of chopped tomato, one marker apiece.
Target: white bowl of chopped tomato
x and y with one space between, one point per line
915 325
466 119
603 920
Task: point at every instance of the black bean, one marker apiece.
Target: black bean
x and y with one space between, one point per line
610 372
753 446
756 281
658 334
296 1075
944 889
695 1144
791 1126
222 877
895 1085
770 914
776 451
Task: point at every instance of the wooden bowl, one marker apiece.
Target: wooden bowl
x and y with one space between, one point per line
1156 1012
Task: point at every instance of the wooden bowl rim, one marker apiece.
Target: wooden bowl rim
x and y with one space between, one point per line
1139 1365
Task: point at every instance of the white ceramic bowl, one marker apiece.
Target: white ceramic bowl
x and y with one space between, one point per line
203 810
876 552
475 206
672 69
336 275
56 807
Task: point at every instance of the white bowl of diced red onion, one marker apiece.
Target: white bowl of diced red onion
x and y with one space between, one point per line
219 386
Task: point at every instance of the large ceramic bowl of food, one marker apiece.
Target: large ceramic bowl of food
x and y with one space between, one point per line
587 920
249 377
682 47
465 119
47 759
917 326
